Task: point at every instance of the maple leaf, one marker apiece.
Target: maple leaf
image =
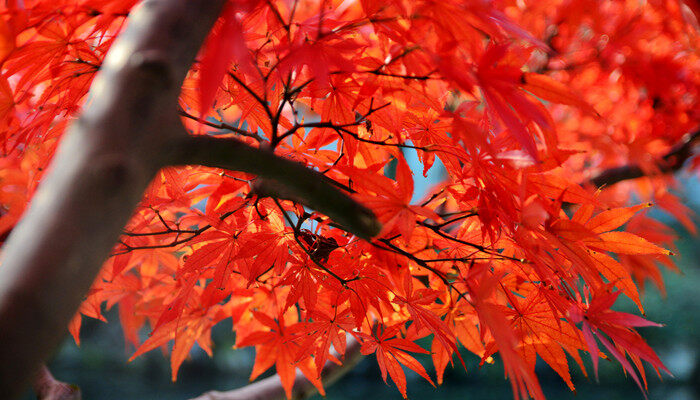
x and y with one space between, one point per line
322 52
391 200
276 346
597 317
548 336
391 352
499 86
549 89
518 110
326 330
225 44
522 377
415 301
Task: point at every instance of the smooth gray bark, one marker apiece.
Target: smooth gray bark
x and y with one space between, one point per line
96 179
130 129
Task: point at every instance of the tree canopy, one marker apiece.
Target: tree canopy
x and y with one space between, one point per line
291 207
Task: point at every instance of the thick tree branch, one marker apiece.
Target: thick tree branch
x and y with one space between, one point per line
271 388
128 131
46 387
292 180
669 163
97 177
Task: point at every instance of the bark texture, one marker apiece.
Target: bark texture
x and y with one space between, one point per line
293 180
97 177
130 129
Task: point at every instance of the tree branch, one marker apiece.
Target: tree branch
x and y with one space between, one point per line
46 387
102 166
669 163
271 388
292 180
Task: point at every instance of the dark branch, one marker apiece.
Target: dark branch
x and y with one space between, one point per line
669 163
293 180
222 126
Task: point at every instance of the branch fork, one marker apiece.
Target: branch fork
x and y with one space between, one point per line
129 130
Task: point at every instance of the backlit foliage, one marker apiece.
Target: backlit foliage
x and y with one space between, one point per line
514 254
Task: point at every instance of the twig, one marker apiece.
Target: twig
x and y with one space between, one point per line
271 388
222 126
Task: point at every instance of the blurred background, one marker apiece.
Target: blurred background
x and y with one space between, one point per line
100 367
